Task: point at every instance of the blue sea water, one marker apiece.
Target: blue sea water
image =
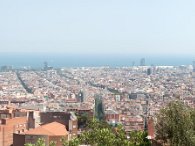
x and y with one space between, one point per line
34 60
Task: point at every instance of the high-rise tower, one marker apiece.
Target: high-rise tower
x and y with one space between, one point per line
193 66
142 62
193 72
149 71
45 65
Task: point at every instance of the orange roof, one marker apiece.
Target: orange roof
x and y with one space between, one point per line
53 128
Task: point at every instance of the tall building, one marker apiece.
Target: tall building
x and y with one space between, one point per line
154 69
6 68
142 62
193 66
149 71
193 72
45 65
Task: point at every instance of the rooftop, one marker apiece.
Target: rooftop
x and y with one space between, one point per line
53 128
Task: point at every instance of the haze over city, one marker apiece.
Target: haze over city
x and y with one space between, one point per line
97 73
126 27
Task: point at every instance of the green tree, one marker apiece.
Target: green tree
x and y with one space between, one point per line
175 125
99 112
40 142
105 137
28 144
121 136
73 142
52 143
99 133
82 119
96 124
138 138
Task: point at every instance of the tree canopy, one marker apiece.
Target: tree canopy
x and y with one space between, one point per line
176 125
99 133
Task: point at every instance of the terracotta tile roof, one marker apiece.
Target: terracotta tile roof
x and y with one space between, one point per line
53 128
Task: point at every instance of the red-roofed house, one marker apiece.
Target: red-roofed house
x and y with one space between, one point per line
50 132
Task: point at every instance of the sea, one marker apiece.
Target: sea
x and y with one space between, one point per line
36 60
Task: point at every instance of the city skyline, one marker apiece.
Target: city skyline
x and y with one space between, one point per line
105 72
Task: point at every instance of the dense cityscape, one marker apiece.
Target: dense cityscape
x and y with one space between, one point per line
97 73
36 102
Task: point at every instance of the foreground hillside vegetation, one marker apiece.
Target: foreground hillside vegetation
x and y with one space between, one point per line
175 126
101 134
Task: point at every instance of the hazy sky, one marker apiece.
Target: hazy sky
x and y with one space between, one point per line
98 26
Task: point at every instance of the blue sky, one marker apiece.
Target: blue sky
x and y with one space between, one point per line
98 26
